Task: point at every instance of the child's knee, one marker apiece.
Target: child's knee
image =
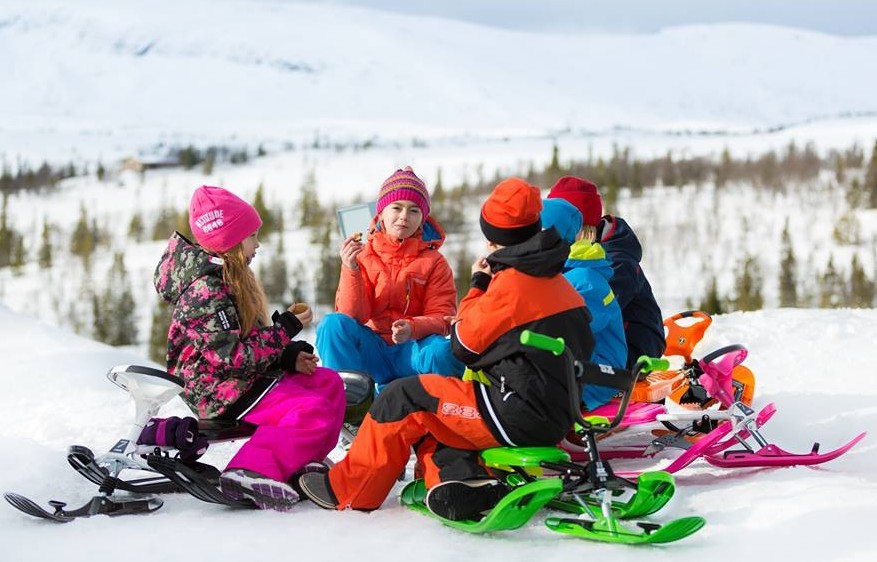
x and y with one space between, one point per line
334 324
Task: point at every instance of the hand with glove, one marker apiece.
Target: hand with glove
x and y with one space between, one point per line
180 433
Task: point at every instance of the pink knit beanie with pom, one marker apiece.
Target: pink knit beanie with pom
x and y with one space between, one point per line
404 185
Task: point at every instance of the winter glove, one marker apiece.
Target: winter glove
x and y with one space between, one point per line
480 280
180 433
290 353
288 321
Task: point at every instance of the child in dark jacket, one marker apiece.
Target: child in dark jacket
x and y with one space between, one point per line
643 322
238 365
521 397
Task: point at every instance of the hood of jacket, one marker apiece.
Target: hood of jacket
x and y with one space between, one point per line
181 264
584 254
543 255
615 235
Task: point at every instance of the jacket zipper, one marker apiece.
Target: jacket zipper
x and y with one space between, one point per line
407 296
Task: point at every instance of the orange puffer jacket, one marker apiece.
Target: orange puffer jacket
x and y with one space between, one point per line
411 280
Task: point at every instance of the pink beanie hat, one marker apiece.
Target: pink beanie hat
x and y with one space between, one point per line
404 185
219 219
582 194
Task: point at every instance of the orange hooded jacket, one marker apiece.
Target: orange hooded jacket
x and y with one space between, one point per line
411 280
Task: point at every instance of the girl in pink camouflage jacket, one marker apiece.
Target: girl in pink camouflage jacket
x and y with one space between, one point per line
237 364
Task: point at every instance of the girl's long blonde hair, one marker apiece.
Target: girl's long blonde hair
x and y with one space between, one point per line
247 291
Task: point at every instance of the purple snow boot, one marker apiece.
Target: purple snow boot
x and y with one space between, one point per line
238 483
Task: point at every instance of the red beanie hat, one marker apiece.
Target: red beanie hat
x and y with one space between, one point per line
404 185
582 194
510 215
220 219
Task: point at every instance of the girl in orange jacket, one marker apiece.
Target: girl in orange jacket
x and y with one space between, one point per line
396 292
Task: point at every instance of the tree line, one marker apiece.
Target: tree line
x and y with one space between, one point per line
112 314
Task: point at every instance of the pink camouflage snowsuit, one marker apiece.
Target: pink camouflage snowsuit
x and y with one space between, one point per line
230 375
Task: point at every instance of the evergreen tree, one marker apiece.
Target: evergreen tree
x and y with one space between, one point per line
296 283
161 321
856 195
861 288
100 315
748 285
82 242
182 225
44 256
669 172
117 308
712 302
126 321
18 253
209 161
840 173
329 271
189 157
636 182
136 228
724 172
269 218
101 172
438 189
554 170
164 225
274 277
847 230
310 212
870 186
831 286
6 235
788 276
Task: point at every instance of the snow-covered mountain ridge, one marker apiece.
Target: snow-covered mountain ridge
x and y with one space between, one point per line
128 74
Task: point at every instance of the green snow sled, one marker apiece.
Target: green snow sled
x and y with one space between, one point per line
546 477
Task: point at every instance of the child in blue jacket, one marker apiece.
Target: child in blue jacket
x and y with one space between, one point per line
588 270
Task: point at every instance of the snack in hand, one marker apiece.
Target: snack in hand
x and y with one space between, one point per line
357 236
299 308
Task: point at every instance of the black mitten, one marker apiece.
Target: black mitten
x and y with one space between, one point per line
288 321
290 354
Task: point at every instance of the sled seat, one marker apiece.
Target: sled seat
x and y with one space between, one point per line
152 388
216 430
528 458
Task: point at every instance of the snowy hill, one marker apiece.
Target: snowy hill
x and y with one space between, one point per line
92 78
815 365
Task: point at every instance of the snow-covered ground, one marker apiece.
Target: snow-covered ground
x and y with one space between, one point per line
815 365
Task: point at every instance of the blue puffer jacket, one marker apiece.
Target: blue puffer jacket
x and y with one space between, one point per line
588 270
643 322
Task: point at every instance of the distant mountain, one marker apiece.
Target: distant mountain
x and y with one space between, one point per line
90 76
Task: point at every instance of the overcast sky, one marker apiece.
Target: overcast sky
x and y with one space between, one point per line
840 17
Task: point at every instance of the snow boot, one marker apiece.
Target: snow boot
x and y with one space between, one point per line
239 483
315 486
462 500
